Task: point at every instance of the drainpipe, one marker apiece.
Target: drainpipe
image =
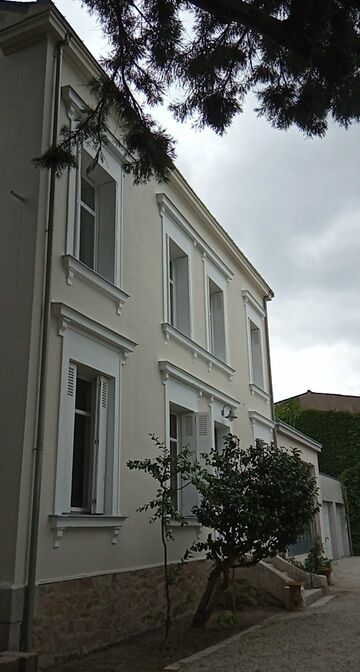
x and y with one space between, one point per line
39 441
266 299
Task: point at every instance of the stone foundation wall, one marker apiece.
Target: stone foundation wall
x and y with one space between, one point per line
81 615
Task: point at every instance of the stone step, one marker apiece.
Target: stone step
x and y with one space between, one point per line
312 595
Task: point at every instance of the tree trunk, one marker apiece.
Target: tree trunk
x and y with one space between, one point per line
207 600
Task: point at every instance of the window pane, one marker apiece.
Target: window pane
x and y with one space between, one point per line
87 238
173 426
173 474
83 395
80 466
87 194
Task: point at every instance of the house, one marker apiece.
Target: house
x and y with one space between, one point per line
146 318
333 420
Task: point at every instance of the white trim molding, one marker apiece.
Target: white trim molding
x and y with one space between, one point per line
69 318
250 299
292 433
262 419
60 523
197 350
255 390
167 207
75 268
168 370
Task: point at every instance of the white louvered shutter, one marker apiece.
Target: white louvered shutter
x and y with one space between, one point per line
188 494
68 421
217 300
203 435
100 443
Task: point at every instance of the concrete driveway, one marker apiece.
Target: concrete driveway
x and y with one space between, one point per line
323 638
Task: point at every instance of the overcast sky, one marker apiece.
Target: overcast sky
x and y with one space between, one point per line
293 207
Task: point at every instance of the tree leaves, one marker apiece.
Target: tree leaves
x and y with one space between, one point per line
301 58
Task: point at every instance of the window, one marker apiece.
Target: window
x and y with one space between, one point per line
89 439
216 321
178 288
255 314
257 374
95 241
186 430
89 436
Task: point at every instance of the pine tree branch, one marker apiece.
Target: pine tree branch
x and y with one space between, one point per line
280 31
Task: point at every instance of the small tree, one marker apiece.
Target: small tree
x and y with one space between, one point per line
167 470
257 501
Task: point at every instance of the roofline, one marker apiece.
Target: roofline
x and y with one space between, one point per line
294 433
181 183
50 18
323 394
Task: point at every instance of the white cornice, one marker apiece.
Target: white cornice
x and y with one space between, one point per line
75 268
169 370
197 350
254 303
254 389
60 523
262 419
167 207
178 181
68 318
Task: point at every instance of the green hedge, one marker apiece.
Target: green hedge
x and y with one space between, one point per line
338 432
350 478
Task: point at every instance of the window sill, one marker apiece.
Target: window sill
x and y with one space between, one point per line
254 389
60 523
189 522
75 268
197 350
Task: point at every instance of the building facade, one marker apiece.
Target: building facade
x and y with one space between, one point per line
157 325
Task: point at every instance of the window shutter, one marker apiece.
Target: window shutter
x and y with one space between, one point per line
203 435
188 494
66 441
182 295
100 442
217 309
106 232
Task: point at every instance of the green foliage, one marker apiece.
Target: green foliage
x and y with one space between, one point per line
302 59
339 433
162 507
289 411
350 479
316 559
258 500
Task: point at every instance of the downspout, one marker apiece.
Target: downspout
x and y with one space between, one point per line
266 299
39 440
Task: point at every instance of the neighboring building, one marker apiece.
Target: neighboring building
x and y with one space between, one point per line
158 324
331 419
330 524
335 524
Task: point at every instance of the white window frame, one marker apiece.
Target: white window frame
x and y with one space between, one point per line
254 313
89 344
171 232
211 273
111 161
184 391
266 426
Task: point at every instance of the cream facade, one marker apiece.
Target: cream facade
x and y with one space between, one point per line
158 325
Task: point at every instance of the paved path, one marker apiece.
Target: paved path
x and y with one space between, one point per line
321 639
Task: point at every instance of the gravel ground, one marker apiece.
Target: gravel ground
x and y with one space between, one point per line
320 639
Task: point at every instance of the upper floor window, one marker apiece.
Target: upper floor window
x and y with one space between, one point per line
216 321
97 219
256 355
255 315
216 312
178 288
